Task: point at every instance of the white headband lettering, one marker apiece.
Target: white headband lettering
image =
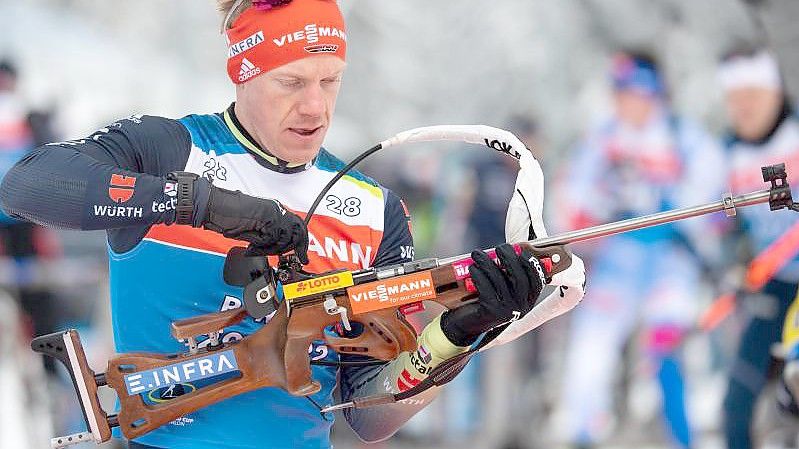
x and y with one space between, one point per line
759 70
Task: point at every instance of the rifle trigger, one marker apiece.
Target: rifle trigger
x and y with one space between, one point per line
332 308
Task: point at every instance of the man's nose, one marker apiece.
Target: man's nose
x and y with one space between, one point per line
312 102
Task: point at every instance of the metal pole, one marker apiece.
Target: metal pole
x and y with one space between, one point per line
646 221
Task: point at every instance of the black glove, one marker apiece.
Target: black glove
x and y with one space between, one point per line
269 228
507 292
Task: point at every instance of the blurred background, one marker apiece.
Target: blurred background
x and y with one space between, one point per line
634 366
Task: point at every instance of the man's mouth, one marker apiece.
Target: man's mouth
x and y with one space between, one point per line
305 132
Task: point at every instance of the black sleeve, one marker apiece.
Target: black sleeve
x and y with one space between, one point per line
113 179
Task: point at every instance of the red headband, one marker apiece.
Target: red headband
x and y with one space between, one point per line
263 39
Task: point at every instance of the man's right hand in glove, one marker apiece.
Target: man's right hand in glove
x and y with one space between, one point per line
507 292
265 223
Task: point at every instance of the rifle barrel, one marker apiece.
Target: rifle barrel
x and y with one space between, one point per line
632 224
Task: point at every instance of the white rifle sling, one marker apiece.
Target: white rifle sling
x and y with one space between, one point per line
525 210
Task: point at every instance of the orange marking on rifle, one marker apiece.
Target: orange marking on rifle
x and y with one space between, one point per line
391 292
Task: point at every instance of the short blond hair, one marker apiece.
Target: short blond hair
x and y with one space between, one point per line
229 15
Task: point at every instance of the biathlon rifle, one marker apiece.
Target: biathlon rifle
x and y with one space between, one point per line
277 354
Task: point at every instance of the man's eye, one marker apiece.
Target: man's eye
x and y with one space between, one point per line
290 83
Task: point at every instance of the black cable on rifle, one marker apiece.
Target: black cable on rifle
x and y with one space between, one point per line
338 176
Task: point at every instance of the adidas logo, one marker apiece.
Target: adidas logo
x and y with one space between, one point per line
248 70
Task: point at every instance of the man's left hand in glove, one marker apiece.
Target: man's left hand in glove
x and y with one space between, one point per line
506 292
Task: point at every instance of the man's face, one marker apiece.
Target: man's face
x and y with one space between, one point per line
634 107
753 110
288 109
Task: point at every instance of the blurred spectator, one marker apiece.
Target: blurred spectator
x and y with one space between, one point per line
764 130
642 160
22 130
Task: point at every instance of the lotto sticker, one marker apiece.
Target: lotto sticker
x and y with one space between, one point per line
321 284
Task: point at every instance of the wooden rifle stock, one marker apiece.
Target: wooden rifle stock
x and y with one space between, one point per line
385 335
259 358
